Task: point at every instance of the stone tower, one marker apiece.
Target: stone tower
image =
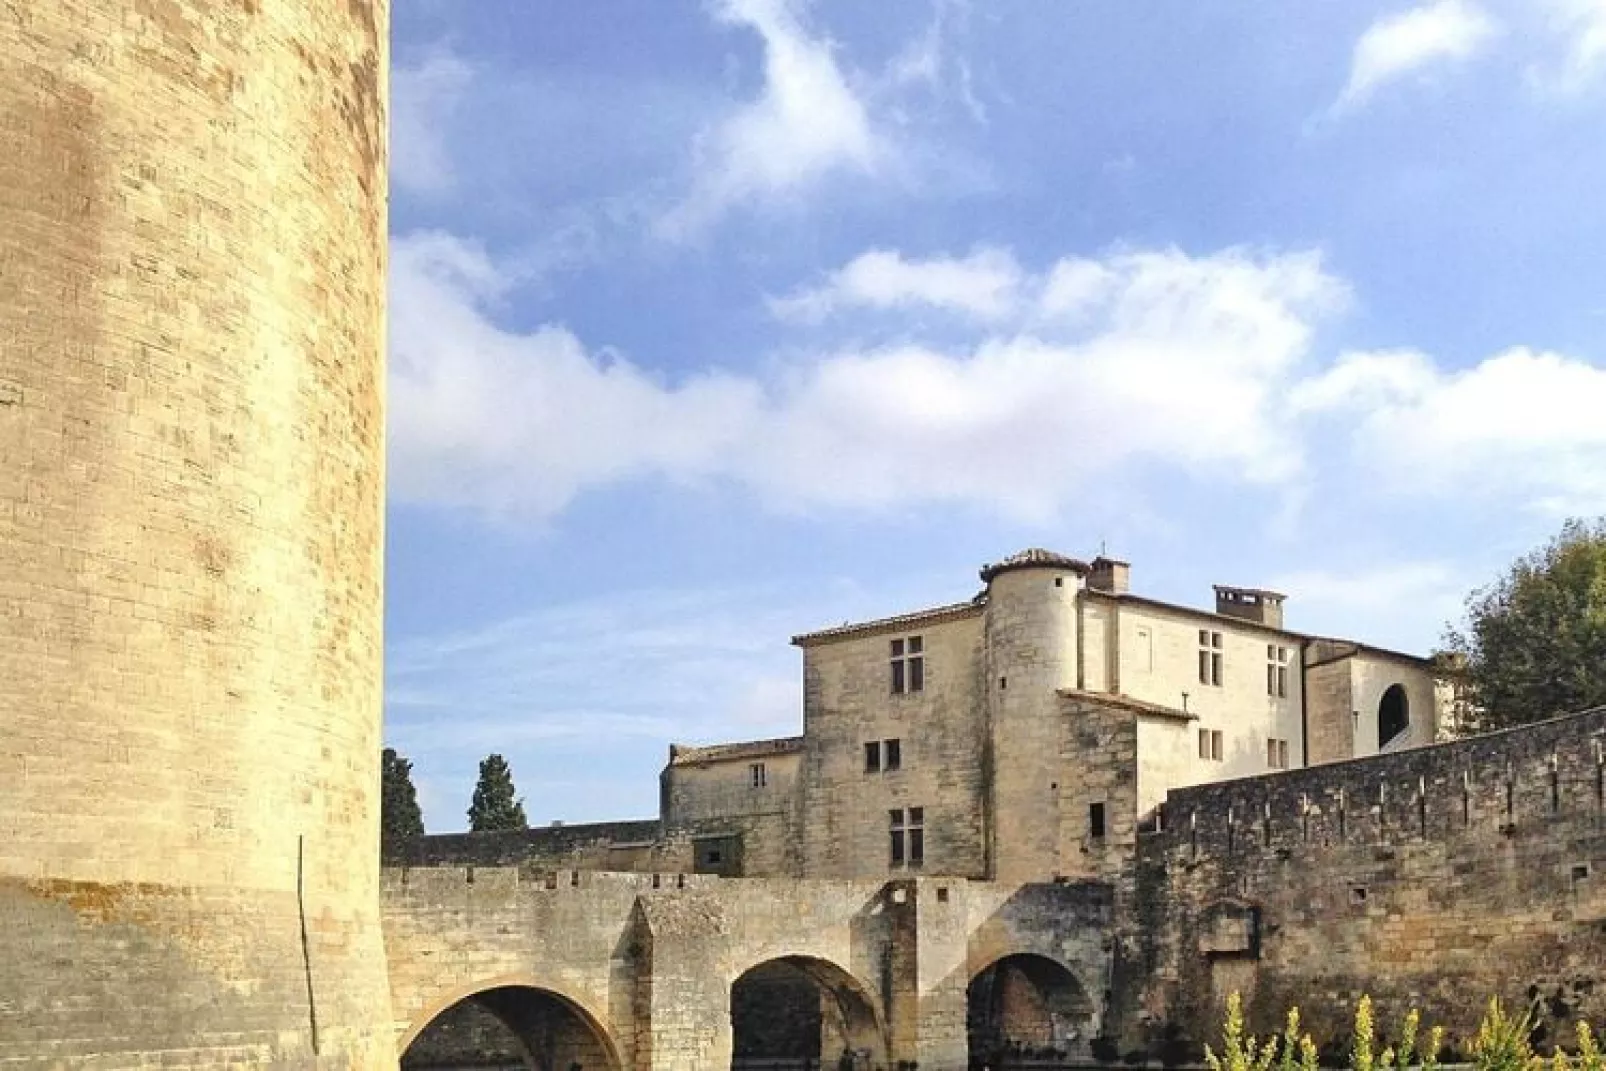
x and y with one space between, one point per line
192 236
1031 646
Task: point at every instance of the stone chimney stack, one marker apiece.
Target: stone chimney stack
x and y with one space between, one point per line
1110 575
1251 604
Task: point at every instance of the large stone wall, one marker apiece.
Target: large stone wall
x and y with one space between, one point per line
192 243
1435 877
847 703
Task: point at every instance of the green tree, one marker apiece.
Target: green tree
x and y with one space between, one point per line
495 805
1534 645
399 816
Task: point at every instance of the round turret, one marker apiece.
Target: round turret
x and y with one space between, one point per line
1031 653
192 236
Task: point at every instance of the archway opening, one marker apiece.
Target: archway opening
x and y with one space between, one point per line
1393 714
802 1014
510 1027
1024 1010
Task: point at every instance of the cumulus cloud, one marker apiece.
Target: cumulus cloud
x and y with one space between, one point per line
1173 360
984 285
807 121
1581 27
522 422
424 94
1411 42
1521 422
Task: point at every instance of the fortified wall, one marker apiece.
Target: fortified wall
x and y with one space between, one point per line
1434 878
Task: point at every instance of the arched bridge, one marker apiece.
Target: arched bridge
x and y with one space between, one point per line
640 972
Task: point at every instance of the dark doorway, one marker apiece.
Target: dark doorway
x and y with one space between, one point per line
1393 715
1027 1011
510 1028
803 1014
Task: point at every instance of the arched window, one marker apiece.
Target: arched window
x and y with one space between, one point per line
1393 715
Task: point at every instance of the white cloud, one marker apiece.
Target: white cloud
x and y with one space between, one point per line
1410 42
424 95
523 422
1390 603
1522 424
1179 361
984 284
807 121
1581 26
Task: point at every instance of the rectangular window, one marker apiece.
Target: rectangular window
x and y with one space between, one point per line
908 665
1209 657
1210 744
757 775
1282 754
883 756
1276 671
907 835
1095 820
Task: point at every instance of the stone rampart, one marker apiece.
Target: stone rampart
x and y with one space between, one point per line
1434 877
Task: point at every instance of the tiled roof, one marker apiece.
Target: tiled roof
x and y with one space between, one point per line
1033 558
1126 702
685 755
917 617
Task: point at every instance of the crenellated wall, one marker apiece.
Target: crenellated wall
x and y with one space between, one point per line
1434 877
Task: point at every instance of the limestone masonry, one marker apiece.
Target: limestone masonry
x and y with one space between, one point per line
192 273
1054 821
1058 818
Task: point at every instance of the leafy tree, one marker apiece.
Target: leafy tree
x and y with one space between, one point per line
1535 640
495 806
399 816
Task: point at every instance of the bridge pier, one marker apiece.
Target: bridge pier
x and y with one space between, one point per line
637 972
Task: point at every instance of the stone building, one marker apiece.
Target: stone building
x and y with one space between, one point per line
944 741
1001 842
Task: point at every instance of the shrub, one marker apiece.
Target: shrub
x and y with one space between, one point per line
1503 1043
1239 1052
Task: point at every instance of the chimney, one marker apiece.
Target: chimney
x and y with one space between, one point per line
1251 604
1110 575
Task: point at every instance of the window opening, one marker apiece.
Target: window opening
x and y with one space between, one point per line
892 755
1209 657
908 665
1095 820
1276 671
757 775
1210 742
872 757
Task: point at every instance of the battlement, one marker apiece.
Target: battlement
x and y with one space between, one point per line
1516 782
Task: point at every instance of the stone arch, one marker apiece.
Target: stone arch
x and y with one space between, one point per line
799 1007
545 1028
1026 1005
1393 714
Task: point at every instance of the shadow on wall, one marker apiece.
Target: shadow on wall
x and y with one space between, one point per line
512 1026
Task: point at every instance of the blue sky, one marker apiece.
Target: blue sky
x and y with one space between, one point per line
715 322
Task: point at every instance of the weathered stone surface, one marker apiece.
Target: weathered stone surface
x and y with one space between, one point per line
1436 877
192 236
